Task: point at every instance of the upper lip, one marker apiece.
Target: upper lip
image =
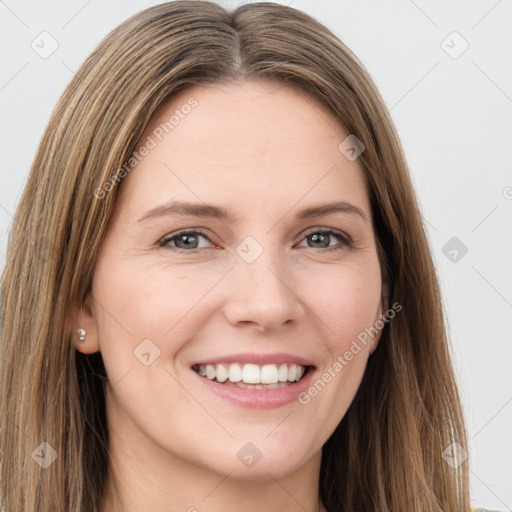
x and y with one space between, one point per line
259 359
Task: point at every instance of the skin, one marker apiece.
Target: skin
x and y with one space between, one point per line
264 151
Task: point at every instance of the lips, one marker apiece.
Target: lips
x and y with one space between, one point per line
260 359
263 381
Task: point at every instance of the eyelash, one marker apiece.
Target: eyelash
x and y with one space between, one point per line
344 239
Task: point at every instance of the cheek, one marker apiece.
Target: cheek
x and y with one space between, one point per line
346 299
147 314
346 302
148 301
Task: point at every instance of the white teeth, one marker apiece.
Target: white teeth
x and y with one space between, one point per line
251 374
210 371
235 372
292 372
283 373
267 376
221 373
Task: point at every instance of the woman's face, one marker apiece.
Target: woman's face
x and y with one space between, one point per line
269 283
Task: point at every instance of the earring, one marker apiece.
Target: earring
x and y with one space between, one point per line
80 334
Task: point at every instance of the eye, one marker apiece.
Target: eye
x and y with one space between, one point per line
320 238
189 240
184 240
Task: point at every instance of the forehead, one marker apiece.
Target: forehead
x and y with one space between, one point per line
253 143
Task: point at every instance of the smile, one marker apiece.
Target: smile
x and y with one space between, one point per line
252 376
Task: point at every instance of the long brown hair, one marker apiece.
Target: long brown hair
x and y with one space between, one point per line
387 452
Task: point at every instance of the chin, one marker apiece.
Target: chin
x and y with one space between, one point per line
261 461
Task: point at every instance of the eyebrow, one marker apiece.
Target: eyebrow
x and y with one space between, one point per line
204 210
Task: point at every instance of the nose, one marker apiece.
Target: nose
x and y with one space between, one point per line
263 293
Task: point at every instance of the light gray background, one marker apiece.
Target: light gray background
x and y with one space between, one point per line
454 116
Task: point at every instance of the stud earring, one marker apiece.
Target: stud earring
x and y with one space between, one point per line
80 334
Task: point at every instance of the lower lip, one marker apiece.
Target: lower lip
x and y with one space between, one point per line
259 398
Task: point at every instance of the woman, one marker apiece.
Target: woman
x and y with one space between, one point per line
231 300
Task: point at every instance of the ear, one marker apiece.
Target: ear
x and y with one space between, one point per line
83 318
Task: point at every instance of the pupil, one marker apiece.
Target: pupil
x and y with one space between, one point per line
187 239
316 236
